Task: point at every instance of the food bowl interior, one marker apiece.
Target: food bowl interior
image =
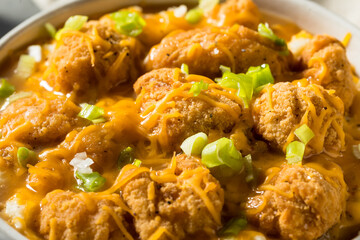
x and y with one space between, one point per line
304 13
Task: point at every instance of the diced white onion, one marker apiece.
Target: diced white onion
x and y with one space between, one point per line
179 11
35 52
82 163
15 211
297 45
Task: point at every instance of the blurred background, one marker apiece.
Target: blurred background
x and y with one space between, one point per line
12 12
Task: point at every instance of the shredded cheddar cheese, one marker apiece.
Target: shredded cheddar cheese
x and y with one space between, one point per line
346 39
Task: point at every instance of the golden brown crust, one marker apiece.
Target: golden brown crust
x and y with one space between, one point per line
191 114
330 52
205 49
91 62
304 205
49 119
176 206
283 107
71 216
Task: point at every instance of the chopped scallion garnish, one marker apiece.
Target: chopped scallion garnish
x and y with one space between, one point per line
265 31
222 152
137 162
295 152
194 15
25 66
248 83
249 168
91 182
304 133
99 120
128 23
26 156
233 227
6 89
224 69
73 23
92 113
208 5
50 29
261 76
126 157
195 144
356 150
197 87
241 82
185 69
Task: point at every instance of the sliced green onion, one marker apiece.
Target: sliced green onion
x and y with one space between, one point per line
137 162
6 89
255 79
249 168
185 69
15 97
241 82
245 91
126 157
128 23
35 51
25 156
295 152
356 151
233 227
197 87
91 182
73 23
91 112
194 15
304 133
224 69
222 152
99 120
208 5
261 76
195 144
25 66
50 29
265 31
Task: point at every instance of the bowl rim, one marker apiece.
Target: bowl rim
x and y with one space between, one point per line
7 44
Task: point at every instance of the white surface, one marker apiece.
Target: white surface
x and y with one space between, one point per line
348 9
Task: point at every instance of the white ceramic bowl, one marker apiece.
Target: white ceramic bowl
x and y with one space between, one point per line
306 14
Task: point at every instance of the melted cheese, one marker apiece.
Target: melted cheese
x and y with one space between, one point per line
323 72
195 178
126 174
346 39
160 232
